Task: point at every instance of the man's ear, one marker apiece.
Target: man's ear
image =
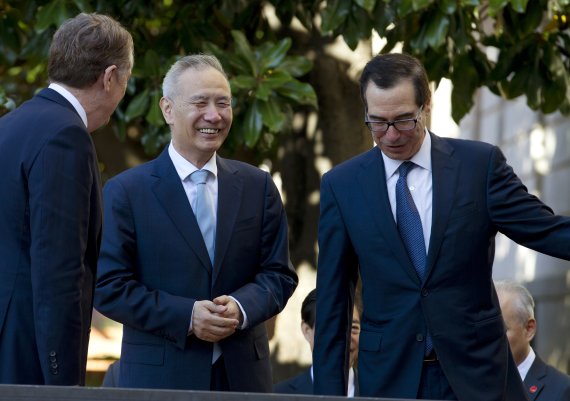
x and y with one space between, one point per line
307 331
530 329
166 106
108 76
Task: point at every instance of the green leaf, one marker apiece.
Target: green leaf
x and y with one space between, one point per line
271 81
495 6
553 95
300 92
53 13
137 106
154 115
519 5
436 32
252 124
368 5
421 4
405 7
243 49
448 6
275 55
334 14
272 116
296 65
242 82
151 65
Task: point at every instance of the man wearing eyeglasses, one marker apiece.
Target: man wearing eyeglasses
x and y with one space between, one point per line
416 218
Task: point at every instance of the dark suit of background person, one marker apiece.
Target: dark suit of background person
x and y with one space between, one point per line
50 197
303 382
542 382
155 275
475 194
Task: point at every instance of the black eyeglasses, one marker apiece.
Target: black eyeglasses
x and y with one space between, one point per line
407 124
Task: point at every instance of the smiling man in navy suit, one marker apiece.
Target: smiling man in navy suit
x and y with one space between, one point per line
50 197
543 382
193 285
417 216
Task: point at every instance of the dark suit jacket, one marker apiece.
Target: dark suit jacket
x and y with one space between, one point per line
545 383
50 222
300 384
303 384
154 265
475 195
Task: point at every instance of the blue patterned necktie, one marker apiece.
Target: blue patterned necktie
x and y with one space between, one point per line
205 214
410 228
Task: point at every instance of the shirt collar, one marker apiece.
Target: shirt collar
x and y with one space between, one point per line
184 168
71 99
422 158
525 365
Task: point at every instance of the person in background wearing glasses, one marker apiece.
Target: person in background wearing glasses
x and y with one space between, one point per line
416 218
303 382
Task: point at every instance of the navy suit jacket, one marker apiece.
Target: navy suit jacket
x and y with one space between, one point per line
154 265
545 383
300 384
50 226
475 195
303 384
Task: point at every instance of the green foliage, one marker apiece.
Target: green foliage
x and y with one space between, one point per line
268 73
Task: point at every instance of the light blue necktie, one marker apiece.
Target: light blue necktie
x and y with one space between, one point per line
410 228
205 214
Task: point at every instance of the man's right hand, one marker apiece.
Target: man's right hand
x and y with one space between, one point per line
207 323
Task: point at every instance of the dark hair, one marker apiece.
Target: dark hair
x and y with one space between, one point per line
309 308
388 70
84 46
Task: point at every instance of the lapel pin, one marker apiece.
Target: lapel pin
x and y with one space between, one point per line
532 389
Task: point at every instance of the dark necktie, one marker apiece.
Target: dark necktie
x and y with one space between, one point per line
410 228
205 214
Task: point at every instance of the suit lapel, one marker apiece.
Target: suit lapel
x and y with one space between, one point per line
170 194
445 173
230 186
372 181
533 381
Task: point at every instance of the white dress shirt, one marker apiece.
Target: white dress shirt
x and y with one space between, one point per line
71 99
525 365
419 182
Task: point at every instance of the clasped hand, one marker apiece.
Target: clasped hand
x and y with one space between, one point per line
215 320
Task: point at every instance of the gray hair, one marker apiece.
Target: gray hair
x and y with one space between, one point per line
193 61
523 302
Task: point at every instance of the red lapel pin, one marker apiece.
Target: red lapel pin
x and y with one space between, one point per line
533 389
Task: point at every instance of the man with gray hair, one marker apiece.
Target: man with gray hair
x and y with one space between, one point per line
195 254
543 382
50 219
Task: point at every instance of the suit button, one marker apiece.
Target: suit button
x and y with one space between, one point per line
425 292
54 372
52 353
419 337
52 359
54 366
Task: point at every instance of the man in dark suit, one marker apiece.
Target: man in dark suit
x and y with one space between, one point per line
417 216
193 293
50 197
543 382
303 382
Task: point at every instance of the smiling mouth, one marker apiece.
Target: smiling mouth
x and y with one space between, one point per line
209 130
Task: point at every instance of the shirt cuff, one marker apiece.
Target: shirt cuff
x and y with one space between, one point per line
244 323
